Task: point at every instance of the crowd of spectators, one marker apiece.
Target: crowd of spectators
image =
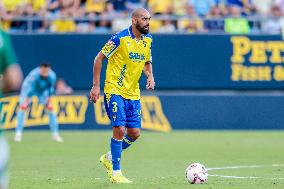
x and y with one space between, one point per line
168 16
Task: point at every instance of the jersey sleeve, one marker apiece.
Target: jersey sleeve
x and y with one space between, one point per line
149 57
111 46
29 85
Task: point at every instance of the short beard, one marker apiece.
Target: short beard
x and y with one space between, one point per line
141 29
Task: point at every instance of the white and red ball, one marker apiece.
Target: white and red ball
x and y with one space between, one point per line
196 173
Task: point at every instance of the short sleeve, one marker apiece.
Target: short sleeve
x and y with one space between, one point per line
111 46
149 57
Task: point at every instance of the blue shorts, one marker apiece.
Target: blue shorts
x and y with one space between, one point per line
123 112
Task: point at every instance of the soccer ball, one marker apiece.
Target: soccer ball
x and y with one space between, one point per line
196 173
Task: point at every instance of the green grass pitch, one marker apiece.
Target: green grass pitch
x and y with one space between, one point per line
155 161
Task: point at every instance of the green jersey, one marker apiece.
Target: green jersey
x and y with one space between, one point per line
7 58
237 26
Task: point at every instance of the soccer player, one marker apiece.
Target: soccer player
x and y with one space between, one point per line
40 82
128 53
10 79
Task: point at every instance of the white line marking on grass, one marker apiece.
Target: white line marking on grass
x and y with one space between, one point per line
241 177
277 165
60 179
245 166
236 177
236 167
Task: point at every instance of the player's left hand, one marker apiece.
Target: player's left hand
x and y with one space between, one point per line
150 83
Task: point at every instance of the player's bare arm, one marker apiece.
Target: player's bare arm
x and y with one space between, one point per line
12 78
95 91
148 71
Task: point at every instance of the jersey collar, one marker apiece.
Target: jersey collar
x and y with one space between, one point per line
132 35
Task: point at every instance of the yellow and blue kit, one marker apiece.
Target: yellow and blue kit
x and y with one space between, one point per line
126 59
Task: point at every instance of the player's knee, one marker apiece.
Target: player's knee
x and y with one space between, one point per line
134 135
50 112
118 132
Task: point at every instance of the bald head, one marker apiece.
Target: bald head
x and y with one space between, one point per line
138 12
141 20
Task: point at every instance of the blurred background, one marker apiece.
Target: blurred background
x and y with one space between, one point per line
218 64
169 16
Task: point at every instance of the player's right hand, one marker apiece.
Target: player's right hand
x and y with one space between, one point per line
95 94
150 83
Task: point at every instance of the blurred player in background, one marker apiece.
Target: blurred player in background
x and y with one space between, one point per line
128 53
10 79
41 83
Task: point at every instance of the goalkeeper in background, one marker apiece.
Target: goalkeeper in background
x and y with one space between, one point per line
10 79
41 83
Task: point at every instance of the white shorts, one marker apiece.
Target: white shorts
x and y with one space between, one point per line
4 158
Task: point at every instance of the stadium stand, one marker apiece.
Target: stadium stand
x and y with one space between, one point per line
171 16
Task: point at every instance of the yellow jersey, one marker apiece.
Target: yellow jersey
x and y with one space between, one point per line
38 4
97 6
63 26
126 59
11 5
158 6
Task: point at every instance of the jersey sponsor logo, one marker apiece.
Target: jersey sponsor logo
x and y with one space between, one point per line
69 110
136 57
153 117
